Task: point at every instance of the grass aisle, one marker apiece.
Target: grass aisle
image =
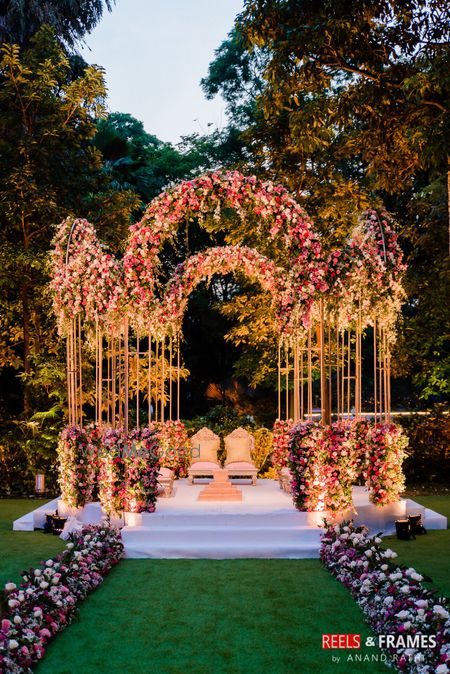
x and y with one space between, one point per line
211 617
214 617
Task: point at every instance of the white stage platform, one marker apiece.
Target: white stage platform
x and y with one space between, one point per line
264 524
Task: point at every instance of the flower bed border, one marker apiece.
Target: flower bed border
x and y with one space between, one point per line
392 597
46 601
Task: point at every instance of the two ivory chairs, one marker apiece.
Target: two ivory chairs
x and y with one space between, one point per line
238 463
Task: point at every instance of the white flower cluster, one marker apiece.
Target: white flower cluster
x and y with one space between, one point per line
393 599
46 600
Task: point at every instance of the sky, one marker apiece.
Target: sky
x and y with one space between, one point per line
155 53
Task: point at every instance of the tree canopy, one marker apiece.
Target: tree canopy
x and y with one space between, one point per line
347 103
70 19
49 168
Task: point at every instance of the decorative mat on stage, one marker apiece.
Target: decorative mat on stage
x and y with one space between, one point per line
220 489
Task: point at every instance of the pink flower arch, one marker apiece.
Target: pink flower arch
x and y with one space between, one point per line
168 314
85 278
89 282
278 216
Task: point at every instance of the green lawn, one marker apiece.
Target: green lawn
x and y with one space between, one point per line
430 553
181 616
215 617
210 617
20 550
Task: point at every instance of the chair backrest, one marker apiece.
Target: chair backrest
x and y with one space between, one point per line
239 446
204 446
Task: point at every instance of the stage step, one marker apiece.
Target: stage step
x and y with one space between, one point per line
264 524
291 518
218 551
220 541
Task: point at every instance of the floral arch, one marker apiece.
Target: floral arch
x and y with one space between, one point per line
278 216
323 304
223 260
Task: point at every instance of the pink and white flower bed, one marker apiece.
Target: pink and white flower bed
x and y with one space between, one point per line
393 599
46 601
119 468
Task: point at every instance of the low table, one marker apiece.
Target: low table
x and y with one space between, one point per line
220 489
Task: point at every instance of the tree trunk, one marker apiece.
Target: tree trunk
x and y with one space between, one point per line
448 202
26 347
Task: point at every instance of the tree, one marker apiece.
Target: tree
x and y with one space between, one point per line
49 169
349 105
137 160
423 350
237 74
382 67
21 19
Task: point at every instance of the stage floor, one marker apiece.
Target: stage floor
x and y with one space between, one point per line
265 497
264 524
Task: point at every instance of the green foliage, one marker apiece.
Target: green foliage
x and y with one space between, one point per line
263 449
428 452
15 477
221 420
423 349
49 170
136 160
378 68
236 73
349 106
21 19
27 448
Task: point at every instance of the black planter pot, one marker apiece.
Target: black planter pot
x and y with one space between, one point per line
403 530
48 524
58 524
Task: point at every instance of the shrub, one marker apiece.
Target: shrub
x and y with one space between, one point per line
222 420
263 448
27 448
15 474
429 448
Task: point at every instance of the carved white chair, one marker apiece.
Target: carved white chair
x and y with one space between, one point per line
285 478
165 481
239 446
204 447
